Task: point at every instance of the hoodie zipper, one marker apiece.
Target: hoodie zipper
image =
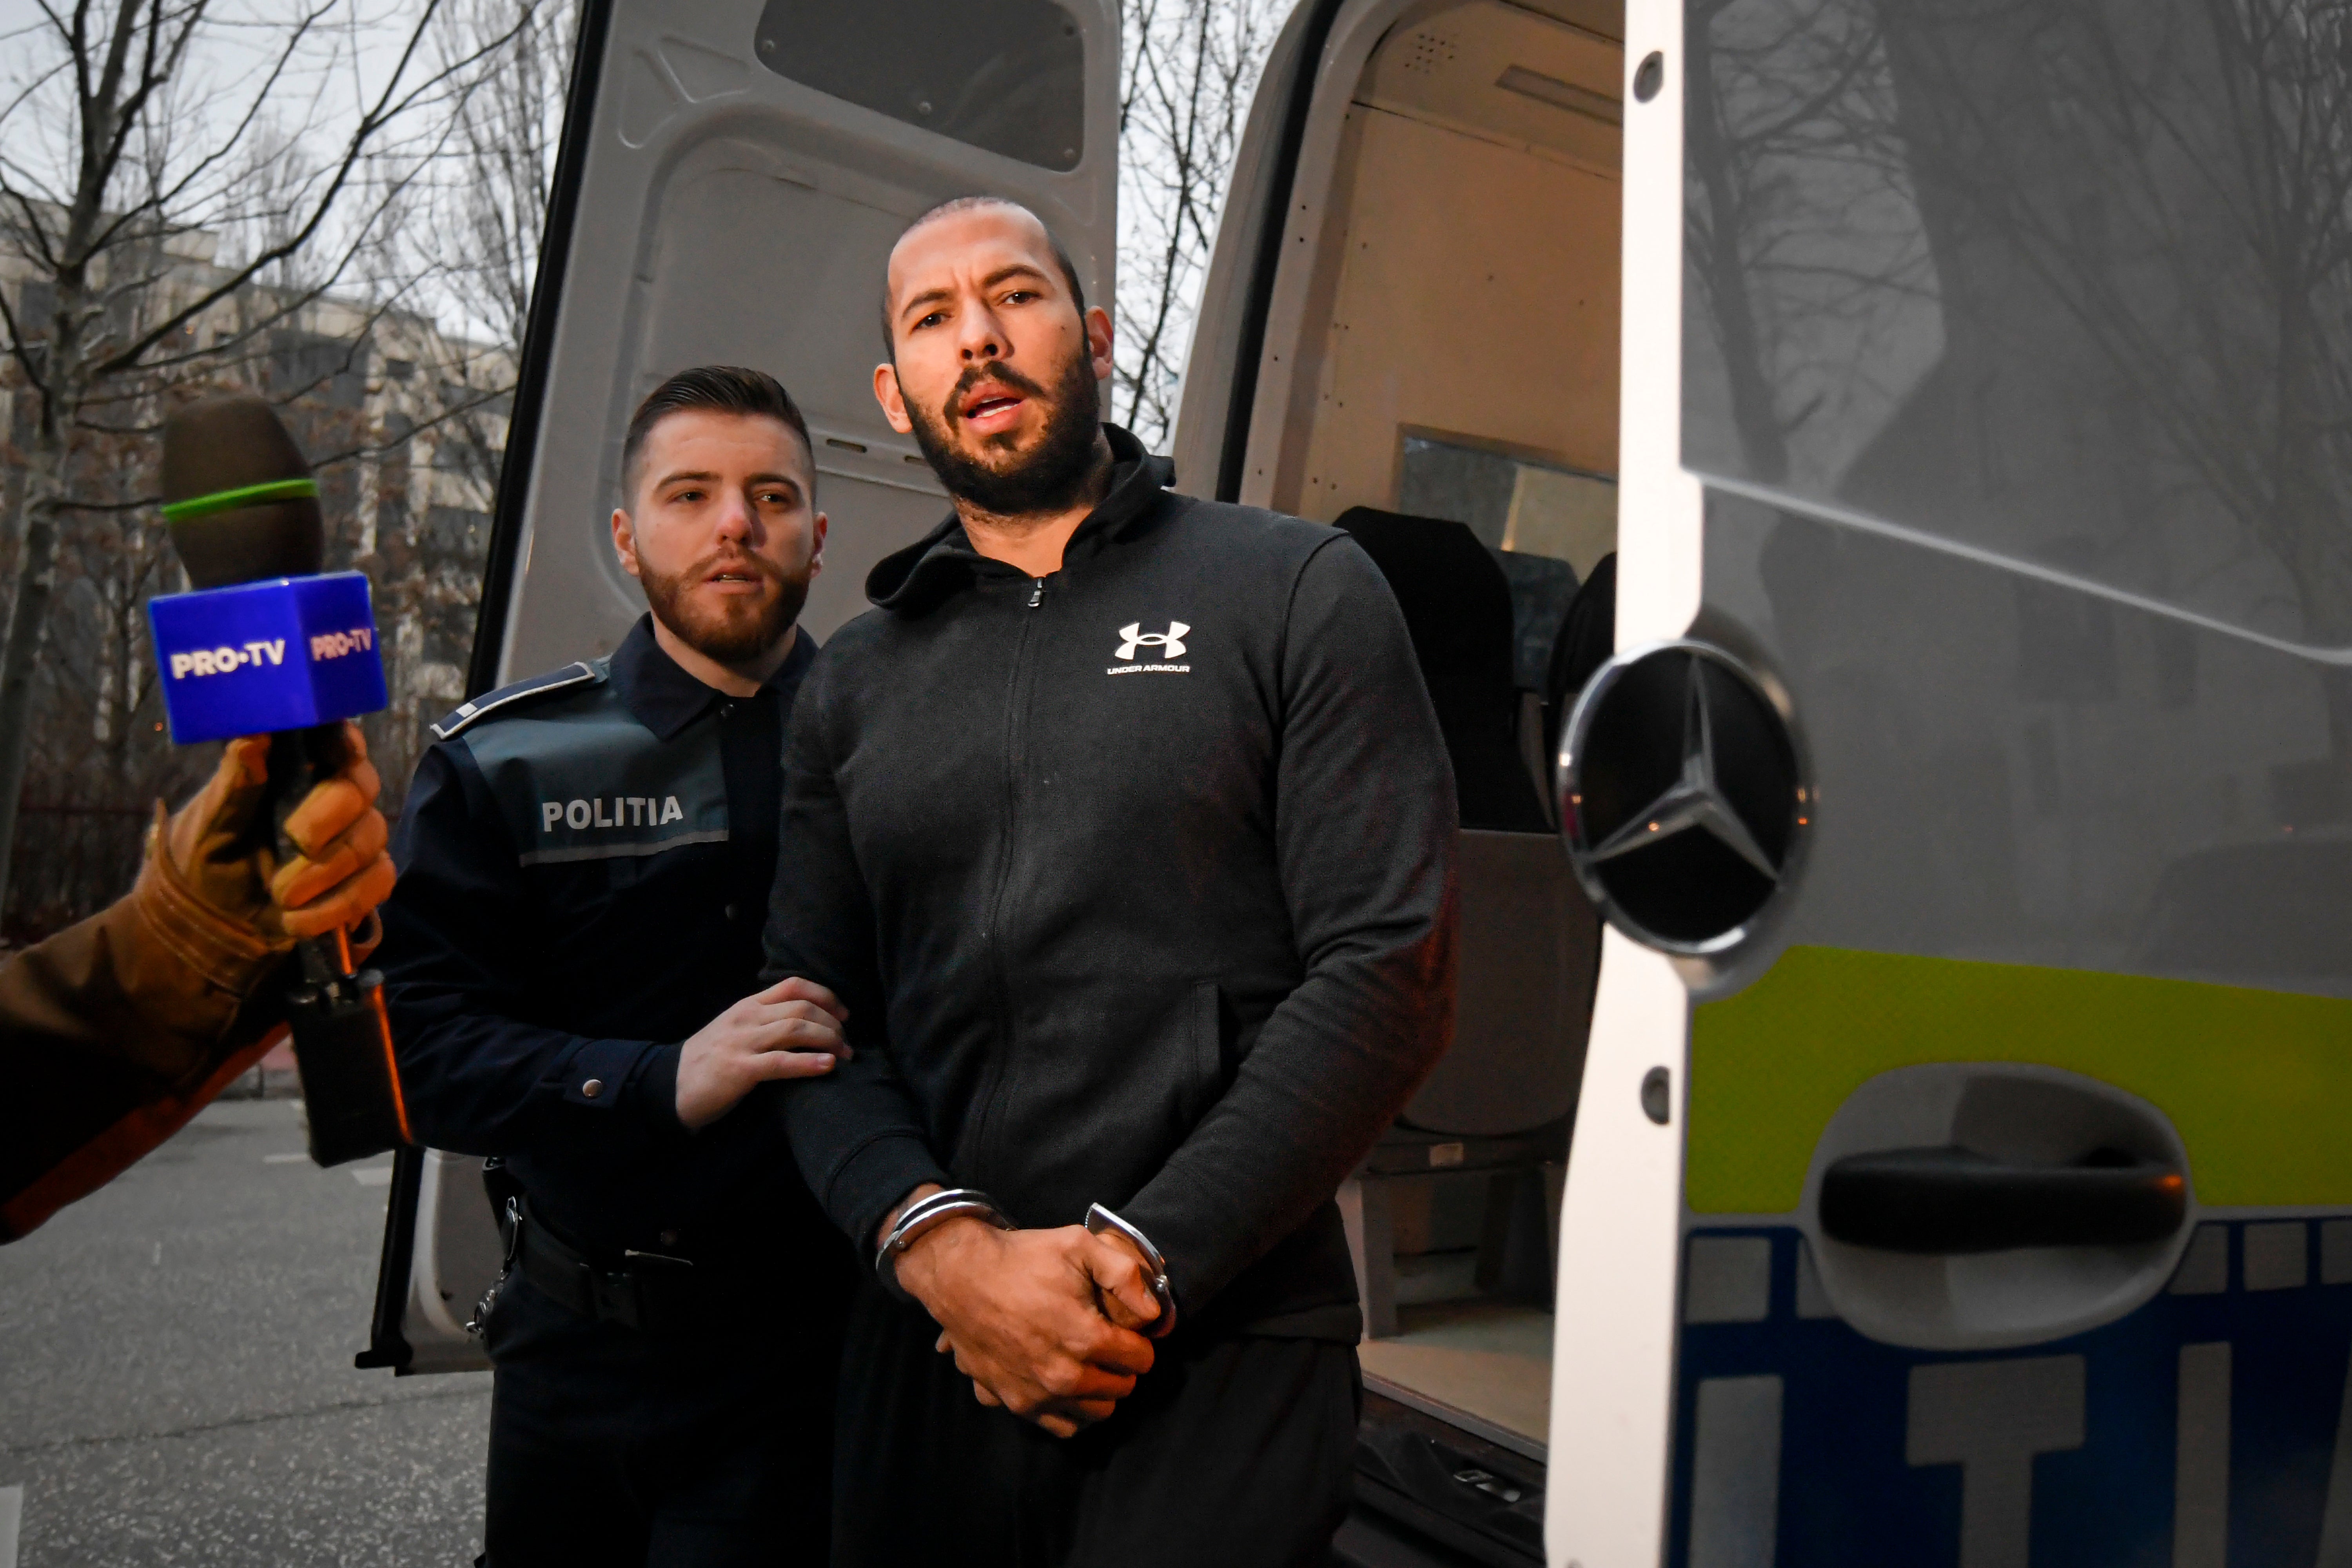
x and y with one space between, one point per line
1015 739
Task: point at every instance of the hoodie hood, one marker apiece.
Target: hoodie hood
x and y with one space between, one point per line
919 579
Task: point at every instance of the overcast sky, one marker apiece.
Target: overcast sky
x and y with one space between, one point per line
343 64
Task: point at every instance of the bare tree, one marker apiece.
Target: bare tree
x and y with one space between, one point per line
122 161
480 221
1802 247
496 177
2195 240
496 174
1190 70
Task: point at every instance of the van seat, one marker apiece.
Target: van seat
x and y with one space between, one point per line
1458 607
1588 635
1502 1100
1530 951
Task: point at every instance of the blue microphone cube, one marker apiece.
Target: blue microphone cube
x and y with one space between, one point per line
281 654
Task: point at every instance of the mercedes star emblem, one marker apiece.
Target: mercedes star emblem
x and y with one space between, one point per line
1682 797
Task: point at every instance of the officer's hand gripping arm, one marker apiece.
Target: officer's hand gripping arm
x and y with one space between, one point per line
791 1029
461 939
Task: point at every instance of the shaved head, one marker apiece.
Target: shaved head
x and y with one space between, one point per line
996 359
951 207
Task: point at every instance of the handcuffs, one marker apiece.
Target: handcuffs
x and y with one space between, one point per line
1100 1219
927 1213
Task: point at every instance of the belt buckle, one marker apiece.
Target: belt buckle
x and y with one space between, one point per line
618 1297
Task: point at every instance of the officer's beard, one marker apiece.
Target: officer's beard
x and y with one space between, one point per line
1050 476
735 629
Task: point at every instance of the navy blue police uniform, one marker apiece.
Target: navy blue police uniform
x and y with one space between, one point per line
585 862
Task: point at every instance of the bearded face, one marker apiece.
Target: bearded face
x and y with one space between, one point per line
1003 472
737 624
725 537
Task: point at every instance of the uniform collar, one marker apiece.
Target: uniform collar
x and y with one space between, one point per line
665 699
927 572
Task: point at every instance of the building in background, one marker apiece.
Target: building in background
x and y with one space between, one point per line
405 424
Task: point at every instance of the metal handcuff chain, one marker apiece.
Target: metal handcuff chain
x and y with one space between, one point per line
927 1213
1099 1220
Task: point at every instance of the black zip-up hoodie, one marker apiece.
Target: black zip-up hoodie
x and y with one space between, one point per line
1138 882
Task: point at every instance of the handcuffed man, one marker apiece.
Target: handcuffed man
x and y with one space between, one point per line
585 866
1124 828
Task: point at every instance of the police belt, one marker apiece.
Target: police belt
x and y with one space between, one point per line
650 1292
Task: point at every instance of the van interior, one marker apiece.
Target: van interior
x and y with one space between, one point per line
1453 404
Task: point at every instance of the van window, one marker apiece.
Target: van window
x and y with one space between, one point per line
2072 285
1511 503
1009 77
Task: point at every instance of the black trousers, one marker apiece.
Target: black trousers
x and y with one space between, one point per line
1232 1453
612 1449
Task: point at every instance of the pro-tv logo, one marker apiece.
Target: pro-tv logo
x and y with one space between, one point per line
227 660
1171 643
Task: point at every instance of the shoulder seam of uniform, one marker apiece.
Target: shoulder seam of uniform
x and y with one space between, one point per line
469 713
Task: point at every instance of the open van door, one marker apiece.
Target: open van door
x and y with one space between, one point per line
1957 1173
1960 1174
730 178
1409 330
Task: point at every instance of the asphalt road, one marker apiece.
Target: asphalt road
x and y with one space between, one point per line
176 1371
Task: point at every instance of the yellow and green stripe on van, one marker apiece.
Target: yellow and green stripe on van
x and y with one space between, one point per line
2258 1083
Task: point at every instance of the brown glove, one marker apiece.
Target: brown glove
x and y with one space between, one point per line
344 870
116 1030
340 876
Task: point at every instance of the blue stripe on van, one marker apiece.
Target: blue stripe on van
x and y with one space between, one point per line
1795 1437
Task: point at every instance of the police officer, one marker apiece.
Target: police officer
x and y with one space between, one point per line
585 862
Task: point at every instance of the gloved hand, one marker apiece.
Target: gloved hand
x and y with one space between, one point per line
118 1029
341 875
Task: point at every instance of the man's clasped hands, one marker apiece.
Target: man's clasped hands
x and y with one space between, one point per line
1044 1322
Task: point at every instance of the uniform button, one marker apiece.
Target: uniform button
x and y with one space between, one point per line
593 1087
730 911
727 710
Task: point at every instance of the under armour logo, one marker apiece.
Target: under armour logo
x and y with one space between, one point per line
1171 643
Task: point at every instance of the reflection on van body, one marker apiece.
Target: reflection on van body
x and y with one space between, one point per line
2064 285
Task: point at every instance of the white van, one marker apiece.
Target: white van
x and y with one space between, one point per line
1947 407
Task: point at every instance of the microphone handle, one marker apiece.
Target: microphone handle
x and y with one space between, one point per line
343 1037
298 759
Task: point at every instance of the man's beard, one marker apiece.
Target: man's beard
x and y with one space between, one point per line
737 630
1052 476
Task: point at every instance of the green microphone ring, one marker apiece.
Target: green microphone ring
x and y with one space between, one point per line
244 495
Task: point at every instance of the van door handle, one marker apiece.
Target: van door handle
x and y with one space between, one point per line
1954 1200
